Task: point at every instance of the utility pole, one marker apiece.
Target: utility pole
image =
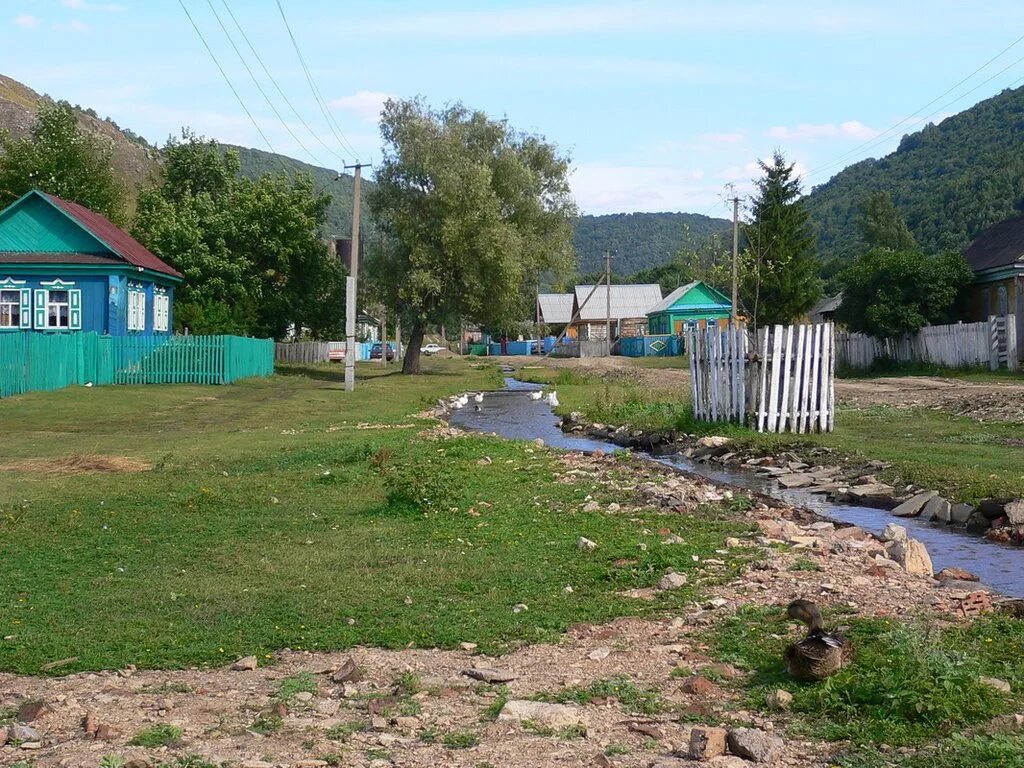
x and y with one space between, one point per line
608 303
383 338
352 283
735 255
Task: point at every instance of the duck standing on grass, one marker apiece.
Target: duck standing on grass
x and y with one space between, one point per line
818 655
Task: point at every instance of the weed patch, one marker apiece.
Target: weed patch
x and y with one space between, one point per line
157 736
632 698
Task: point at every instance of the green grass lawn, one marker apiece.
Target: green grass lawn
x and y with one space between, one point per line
957 456
287 513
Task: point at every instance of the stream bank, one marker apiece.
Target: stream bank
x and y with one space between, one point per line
512 414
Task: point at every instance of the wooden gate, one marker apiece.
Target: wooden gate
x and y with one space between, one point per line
784 381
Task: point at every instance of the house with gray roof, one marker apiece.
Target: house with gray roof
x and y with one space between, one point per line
997 258
629 305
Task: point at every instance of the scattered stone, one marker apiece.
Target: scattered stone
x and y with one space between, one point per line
520 607
544 714
245 664
724 671
31 710
304 697
591 506
647 729
584 544
795 480
614 507
780 700
600 654
672 580
141 762
348 672
468 646
752 744
894 532
914 504
955 574
698 685
717 602
3 736
1014 512
713 441
995 682
670 762
20 732
961 513
706 743
490 675
912 556
937 508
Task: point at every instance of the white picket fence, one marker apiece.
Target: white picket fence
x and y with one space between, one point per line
992 343
782 381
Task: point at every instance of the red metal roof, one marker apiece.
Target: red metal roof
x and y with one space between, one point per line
115 238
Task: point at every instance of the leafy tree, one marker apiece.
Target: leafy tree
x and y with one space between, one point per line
470 213
780 265
708 259
250 249
888 293
60 158
882 226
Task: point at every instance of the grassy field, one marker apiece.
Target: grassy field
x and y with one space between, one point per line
957 456
287 513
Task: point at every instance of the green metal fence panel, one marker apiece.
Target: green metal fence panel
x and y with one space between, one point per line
32 362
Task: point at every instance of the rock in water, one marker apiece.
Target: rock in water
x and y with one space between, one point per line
912 556
914 504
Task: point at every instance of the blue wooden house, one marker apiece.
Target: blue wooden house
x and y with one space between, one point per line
686 305
66 268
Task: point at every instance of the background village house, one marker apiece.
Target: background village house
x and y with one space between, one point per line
687 304
629 307
997 258
65 268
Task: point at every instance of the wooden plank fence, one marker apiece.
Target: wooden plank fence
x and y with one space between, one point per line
31 361
302 352
781 381
992 343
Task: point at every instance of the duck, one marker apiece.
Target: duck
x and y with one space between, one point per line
478 407
478 397
553 399
537 395
820 654
457 404
464 400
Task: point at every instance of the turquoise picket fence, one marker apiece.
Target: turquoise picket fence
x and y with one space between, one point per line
32 362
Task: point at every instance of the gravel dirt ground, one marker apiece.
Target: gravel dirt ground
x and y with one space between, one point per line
443 720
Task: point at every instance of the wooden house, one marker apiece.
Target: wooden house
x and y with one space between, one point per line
629 307
66 268
997 258
688 304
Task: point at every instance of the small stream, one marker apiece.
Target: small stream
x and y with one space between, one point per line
512 414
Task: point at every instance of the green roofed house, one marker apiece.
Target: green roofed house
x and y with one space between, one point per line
688 304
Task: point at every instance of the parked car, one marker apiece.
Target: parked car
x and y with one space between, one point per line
432 349
378 349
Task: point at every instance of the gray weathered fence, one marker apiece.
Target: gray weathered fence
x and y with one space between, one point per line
991 343
301 352
782 381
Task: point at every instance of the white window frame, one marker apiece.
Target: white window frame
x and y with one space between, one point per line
23 304
44 302
136 307
161 310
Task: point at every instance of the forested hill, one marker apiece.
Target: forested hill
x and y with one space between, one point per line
950 181
639 240
256 162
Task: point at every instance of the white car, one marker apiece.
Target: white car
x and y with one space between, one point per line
432 348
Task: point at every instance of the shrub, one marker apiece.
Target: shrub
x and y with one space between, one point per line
423 484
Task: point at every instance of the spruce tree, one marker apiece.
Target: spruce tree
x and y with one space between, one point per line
781 281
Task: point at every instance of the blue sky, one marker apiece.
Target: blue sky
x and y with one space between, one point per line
660 104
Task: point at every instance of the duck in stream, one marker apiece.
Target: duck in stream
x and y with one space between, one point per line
818 655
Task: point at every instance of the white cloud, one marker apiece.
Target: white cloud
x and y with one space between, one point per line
84 5
851 129
366 105
74 26
26 21
602 188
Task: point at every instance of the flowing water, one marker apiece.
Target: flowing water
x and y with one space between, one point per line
512 414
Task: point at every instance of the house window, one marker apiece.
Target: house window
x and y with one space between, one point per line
136 308
58 309
161 311
10 308
58 306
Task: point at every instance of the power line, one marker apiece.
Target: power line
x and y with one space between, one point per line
317 96
257 83
277 86
231 85
887 134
